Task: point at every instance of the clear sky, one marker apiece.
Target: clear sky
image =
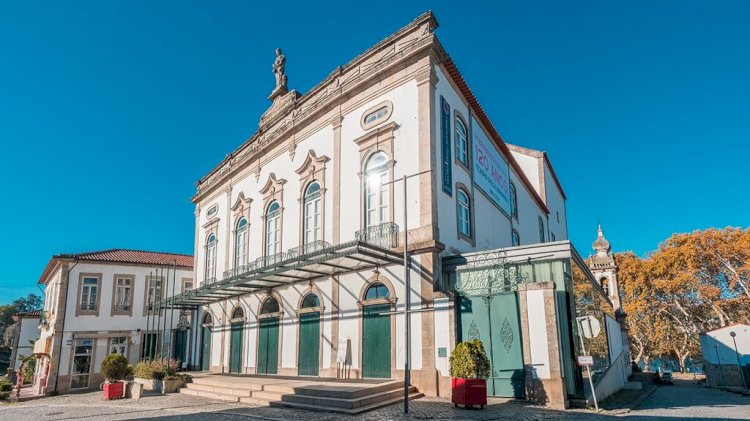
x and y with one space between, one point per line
111 110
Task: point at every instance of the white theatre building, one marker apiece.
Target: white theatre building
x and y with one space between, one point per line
300 235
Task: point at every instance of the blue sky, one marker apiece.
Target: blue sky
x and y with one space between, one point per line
109 111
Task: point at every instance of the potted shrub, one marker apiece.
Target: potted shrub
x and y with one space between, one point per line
115 368
6 388
173 382
469 368
151 373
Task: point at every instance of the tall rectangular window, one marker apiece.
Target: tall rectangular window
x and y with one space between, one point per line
88 300
541 230
118 345
153 292
123 295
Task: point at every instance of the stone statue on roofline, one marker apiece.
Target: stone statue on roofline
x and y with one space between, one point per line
278 71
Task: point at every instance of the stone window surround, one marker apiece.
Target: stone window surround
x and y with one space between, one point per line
377 140
458 116
272 191
383 104
241 208
98 277
472 224
186 280
242 319
150 278
114 295
93 359
312 169
210 227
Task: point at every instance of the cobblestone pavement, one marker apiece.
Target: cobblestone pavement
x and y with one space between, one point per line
679 402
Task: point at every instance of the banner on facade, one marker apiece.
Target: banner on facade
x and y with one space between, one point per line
491 171
445 130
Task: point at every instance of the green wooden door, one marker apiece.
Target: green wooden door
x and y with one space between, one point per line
494 320
180 345
235 348
309 344
376 342
268 346
206 348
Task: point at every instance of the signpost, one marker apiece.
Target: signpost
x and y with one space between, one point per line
589 327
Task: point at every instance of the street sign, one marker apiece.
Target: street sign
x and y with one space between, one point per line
590 326
585 360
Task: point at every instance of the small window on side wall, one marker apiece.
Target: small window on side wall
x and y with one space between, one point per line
541 230
515 239
464 213
513 201
462 143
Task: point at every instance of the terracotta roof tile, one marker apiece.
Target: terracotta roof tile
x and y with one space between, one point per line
133 256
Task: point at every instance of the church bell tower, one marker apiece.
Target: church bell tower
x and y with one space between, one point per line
604 268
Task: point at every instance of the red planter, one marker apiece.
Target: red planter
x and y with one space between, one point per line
469 392
114 390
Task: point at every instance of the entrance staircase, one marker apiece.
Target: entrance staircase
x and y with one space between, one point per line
350 397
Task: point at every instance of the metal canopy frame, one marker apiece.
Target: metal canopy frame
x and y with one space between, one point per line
286 269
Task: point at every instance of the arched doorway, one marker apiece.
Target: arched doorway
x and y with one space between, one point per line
208 321
235 341
308 356
376 332
268 337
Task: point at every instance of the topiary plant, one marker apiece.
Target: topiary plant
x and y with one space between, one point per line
469 361
115 367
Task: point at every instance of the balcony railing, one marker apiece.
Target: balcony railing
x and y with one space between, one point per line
121 307
383 235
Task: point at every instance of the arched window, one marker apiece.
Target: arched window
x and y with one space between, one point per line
208 320
376 290
376 191
515 239
270 306
541 230
311 214
238 313
464 213
513 201
604 282
462 143
240 243
211 258
311 300
273 222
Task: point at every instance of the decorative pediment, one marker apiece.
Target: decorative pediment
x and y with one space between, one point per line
312 163
272 185
241 203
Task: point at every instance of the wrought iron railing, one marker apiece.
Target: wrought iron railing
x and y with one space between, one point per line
382 235
121 307
240 270
309 248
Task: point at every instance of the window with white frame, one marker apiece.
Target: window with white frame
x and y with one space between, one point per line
118 345
464 213
513 201
462 143
153 292
541 230
211 258
187 285
240 243
89 294
376 190
123 294
273 228
311 214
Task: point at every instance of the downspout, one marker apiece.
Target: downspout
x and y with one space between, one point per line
62 327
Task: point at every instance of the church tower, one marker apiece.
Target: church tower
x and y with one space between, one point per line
602 265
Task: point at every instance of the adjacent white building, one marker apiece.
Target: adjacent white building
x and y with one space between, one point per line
27 332
97 303
725 350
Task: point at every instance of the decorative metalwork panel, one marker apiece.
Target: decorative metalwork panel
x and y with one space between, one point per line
506 335
184 322
383 235
489 274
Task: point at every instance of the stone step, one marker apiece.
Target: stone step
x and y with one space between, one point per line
346 403
219 390
352 411
338 391
207 381
209 395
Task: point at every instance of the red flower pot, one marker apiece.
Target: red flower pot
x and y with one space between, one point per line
113 390
469 392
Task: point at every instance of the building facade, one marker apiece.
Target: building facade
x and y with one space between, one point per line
102 302
300 232
726 355
27 332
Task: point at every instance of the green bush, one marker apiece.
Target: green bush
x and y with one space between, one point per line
469 361
6 386
156 369
115 367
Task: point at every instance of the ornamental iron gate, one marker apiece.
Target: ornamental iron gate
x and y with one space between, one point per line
488 311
